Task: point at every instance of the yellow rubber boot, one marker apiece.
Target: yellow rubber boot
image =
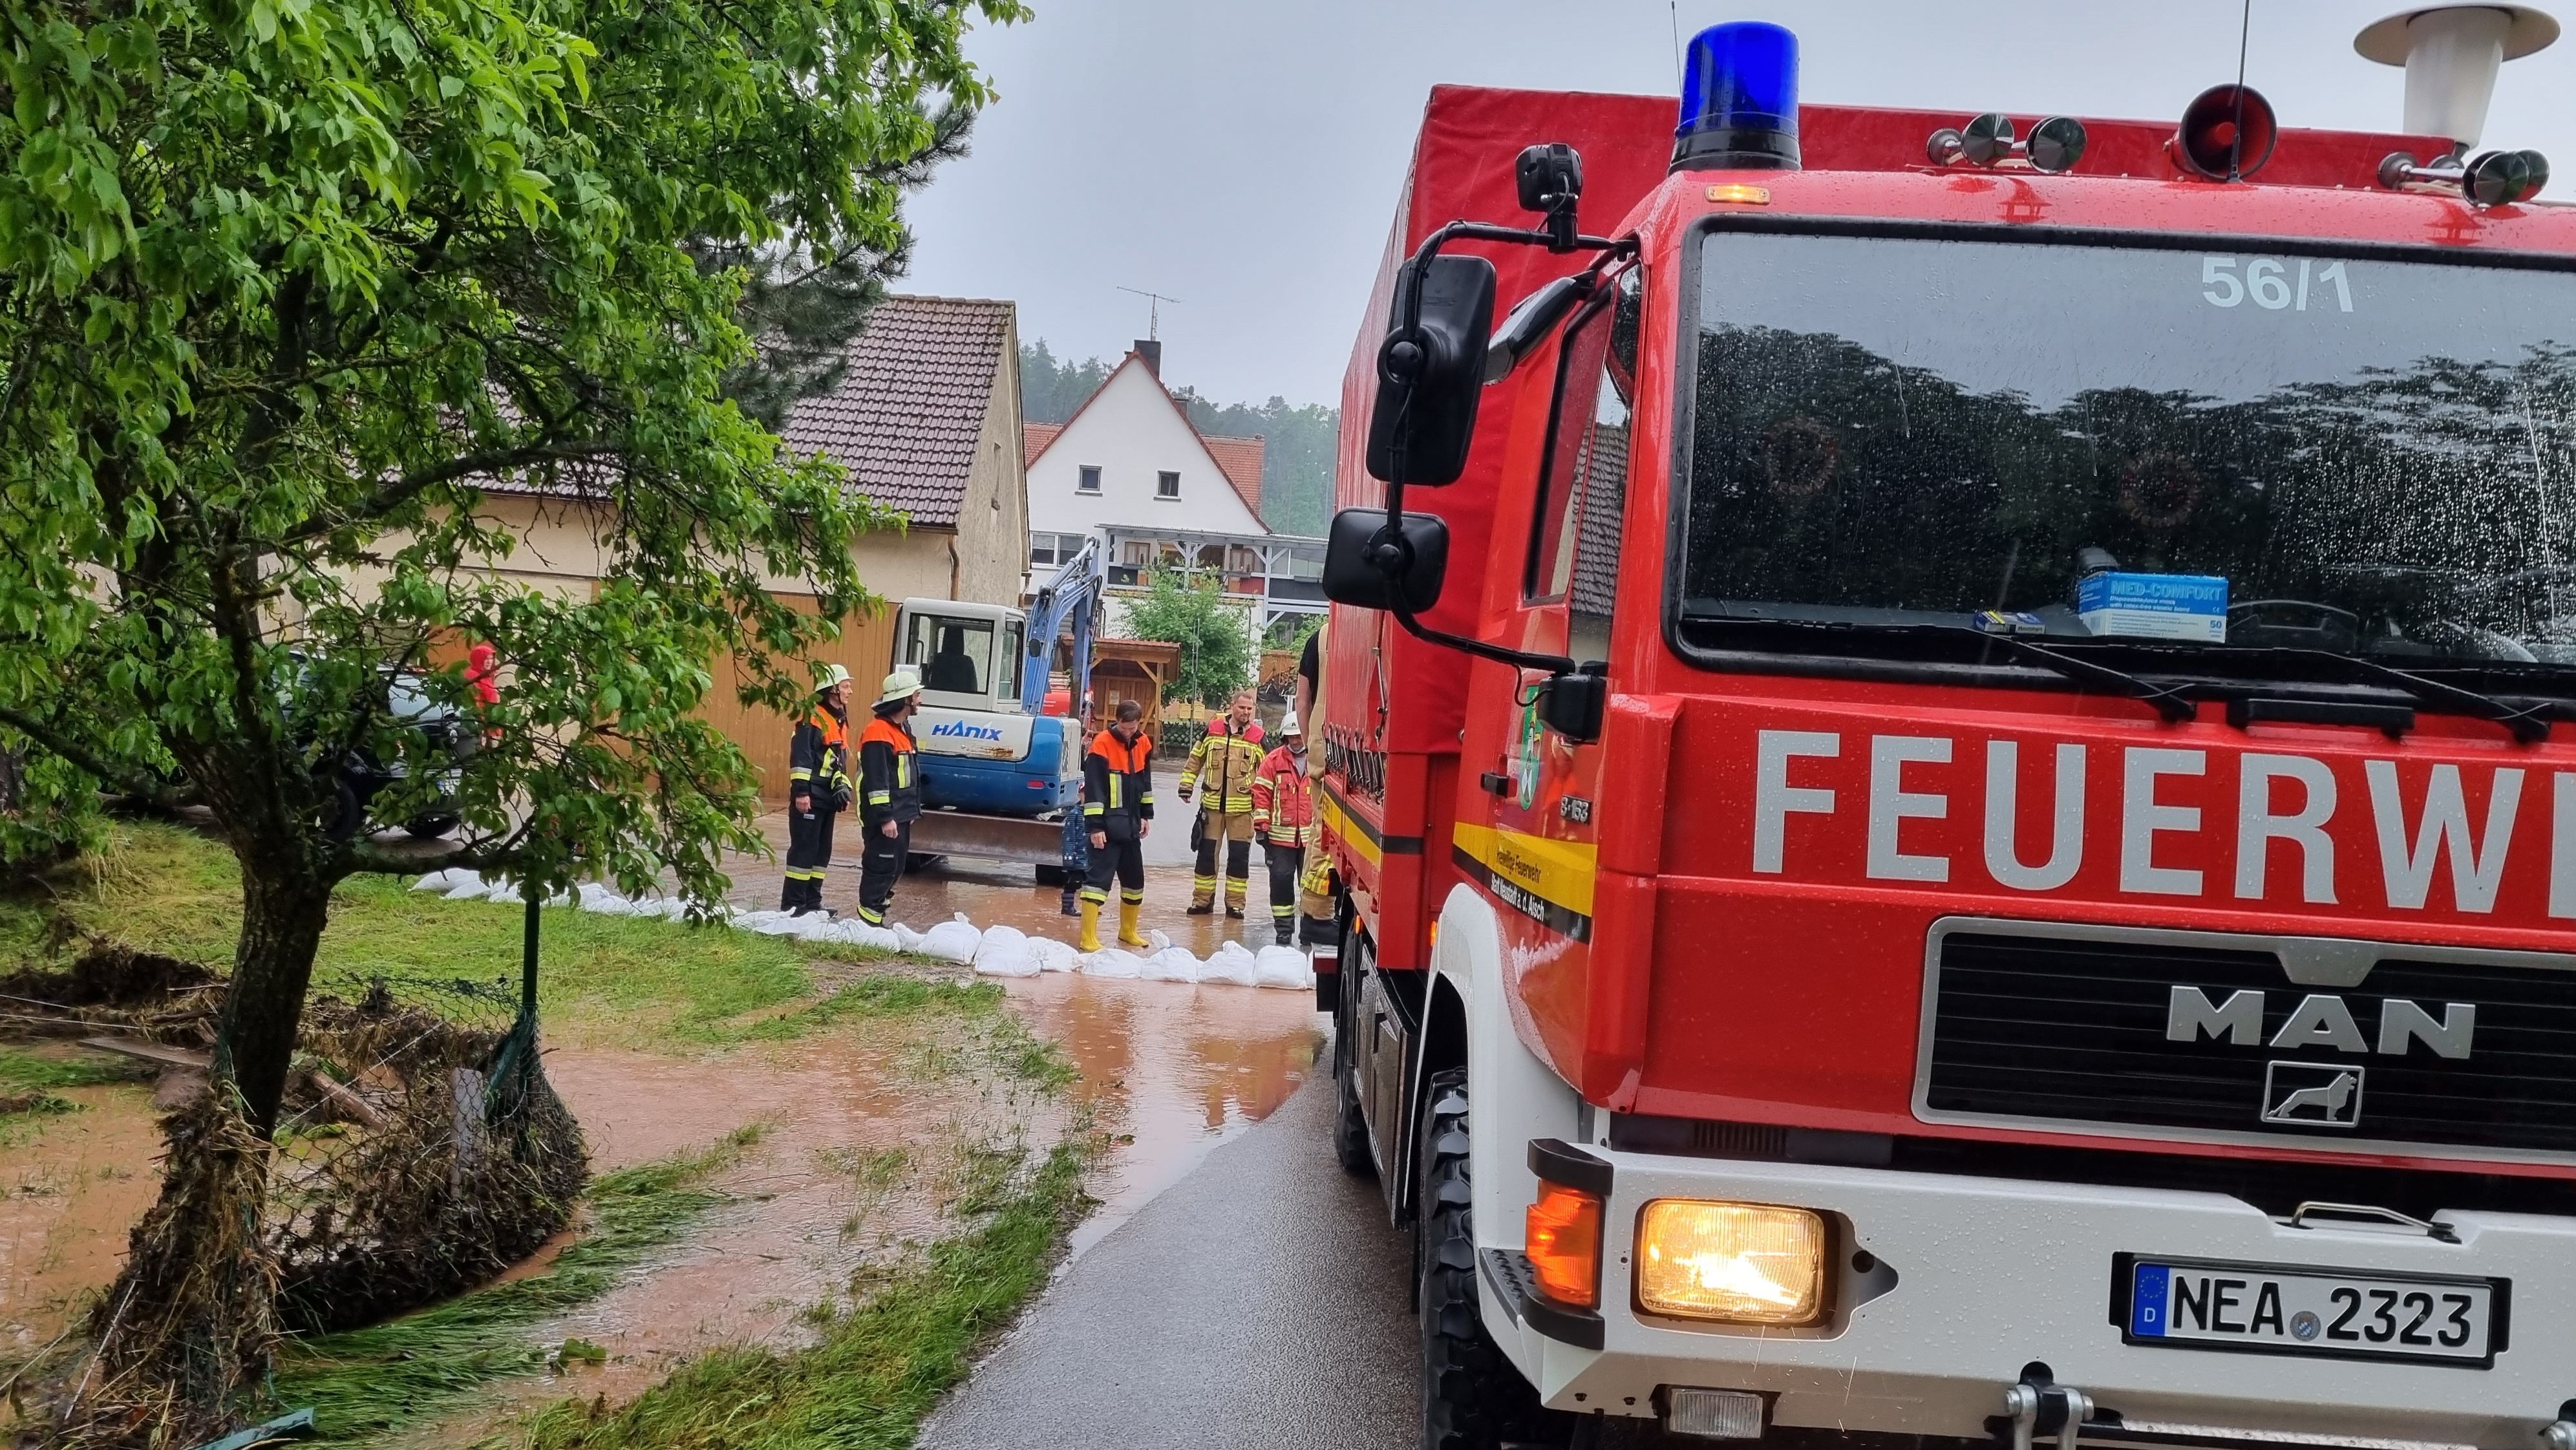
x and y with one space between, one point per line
1090 941
1128 912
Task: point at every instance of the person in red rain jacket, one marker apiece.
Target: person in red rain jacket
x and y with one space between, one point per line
1283 819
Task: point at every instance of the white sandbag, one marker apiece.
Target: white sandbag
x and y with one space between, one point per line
442 881
1053 955
767 923
905 938
1285 967
1004 952
954 940
1232 965
658 908
1171 964
852 932
1111 962
468 887
599 899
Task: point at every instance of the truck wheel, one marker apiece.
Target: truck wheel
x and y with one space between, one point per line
1472 1397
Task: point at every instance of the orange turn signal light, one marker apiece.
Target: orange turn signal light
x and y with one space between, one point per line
1565 1244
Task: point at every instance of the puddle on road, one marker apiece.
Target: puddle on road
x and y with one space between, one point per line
1180 1068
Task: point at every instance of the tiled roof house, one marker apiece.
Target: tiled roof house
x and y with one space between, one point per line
927 421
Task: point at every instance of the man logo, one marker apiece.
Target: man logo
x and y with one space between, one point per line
2312 1095
2321 1019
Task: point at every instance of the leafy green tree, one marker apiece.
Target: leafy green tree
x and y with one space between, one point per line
287 289
1216 653
1050 390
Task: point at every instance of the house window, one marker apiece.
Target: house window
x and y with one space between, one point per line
1090 480
1167 485
1041 549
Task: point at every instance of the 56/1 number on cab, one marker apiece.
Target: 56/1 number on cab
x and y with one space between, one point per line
2274 284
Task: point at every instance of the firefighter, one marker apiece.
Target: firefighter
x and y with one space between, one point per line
1118 802
819 788
1283 816
890 785
1225 759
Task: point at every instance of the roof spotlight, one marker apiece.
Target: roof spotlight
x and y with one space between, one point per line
2494 178
2227 133
2055 144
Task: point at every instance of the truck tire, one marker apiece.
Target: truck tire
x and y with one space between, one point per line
1472 1397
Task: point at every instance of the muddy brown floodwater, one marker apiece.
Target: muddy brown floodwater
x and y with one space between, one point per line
1180 1068
70 1187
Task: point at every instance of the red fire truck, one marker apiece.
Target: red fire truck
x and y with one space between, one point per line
1962 736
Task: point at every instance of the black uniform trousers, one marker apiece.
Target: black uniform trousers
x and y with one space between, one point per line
1284 862
809 853
881 863
1123 858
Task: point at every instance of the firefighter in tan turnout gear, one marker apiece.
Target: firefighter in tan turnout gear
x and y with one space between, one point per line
1224 761
819 788
1118 804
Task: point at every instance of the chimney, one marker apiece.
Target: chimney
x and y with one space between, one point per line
1152 352
2451 54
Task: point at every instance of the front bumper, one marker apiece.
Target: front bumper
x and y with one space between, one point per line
1966 1281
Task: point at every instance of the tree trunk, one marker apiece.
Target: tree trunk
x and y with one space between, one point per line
284 908
186 1334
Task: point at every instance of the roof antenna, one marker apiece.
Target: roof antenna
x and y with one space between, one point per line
1153 311
2236 144
1675 8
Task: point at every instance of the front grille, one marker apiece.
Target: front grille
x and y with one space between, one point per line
2074 1030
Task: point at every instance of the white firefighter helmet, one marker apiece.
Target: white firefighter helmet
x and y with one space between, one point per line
901 685
828 676
1288 724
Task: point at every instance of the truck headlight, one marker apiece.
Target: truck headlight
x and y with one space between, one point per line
1740 1263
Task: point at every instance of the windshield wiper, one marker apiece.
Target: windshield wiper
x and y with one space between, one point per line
2530 725
2172 704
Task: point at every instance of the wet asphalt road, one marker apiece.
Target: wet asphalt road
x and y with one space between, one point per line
1259 1302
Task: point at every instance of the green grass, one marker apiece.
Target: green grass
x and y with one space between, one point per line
22 1071
366 1383
163 889
880 1366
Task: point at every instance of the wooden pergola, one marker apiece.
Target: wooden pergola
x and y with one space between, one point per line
1131 669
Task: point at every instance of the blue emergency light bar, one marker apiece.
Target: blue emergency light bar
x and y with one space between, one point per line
1739 100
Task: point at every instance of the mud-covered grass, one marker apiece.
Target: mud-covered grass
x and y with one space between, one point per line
367 1383
881 1364
609 980
29 1084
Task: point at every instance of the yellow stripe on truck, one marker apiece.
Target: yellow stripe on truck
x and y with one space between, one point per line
1546 879
1329 811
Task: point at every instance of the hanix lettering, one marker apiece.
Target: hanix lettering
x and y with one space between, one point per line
2165 821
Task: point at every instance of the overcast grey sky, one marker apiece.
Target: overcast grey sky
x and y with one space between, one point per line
1245 157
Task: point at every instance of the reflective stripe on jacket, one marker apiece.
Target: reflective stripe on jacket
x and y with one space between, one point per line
819 755
889 779
1283 800
1226 761
1118 778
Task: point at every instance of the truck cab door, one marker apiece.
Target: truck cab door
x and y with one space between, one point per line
1528 833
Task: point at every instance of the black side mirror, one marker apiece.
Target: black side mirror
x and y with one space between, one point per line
1372 567
1430 375
1573 705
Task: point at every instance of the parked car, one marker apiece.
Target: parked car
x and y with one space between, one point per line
363 777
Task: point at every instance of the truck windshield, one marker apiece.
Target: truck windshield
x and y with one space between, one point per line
2218 452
